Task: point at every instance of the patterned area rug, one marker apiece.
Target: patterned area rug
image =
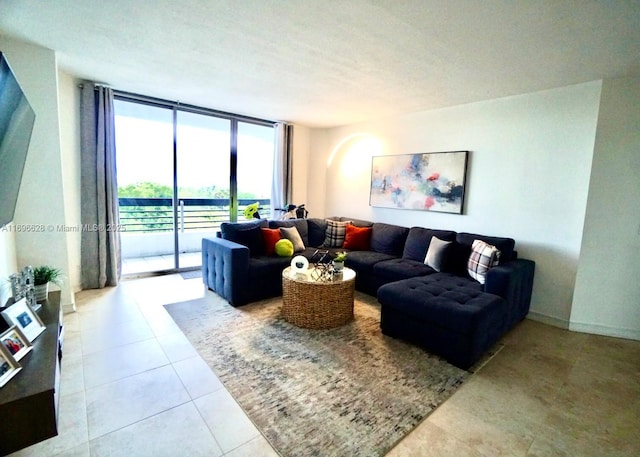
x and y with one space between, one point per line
349 391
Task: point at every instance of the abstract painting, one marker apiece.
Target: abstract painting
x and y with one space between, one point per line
432 181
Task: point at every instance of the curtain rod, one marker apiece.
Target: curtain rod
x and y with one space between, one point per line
153 101
96 86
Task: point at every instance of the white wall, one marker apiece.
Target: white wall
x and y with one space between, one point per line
317 173
41 199
8 262
300 165
69 105
607 294
528 176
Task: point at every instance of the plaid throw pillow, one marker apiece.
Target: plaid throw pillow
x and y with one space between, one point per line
483 257
335 233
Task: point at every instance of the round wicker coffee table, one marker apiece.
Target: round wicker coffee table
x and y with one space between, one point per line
314 304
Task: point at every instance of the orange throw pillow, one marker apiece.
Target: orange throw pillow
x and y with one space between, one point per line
270 237
357 238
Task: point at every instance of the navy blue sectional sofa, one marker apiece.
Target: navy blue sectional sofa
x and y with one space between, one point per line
446 312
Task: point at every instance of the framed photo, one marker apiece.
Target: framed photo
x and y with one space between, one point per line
22 285
16 342
8 366
433 181
22 316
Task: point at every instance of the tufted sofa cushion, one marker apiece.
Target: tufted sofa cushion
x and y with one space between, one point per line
448 315
451 301
388 239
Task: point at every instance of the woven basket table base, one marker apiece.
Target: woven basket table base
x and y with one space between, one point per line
315 304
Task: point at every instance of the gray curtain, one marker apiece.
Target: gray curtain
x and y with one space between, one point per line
100 260
281 184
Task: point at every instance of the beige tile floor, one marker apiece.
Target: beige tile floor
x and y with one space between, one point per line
132 385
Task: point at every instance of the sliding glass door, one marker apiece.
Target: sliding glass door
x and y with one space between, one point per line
144 160
255 166
202 181
181 173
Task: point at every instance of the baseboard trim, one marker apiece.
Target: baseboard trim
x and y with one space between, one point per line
69 308
604 330
583 327
549 320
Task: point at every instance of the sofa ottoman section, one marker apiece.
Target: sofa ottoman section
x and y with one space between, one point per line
445 314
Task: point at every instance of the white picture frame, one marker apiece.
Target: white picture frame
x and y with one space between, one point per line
16 342
22 316
9 367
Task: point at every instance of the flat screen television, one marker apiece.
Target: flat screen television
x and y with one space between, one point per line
16 124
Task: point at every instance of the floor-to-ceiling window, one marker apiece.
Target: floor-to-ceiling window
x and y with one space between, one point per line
255 156
182 171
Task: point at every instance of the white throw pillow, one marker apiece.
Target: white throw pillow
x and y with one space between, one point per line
437 253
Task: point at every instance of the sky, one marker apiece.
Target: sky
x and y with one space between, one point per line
144 144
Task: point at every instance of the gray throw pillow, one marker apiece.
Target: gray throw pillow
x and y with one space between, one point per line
437 253
292 234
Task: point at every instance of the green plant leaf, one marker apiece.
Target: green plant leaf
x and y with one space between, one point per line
44 274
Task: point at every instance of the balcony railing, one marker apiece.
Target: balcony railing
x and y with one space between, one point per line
148 215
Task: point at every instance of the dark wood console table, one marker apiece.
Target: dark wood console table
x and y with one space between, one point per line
29 401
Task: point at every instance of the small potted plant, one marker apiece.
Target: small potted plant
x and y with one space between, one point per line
42 276
338 260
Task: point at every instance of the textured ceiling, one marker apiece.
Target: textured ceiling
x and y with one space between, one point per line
326 62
